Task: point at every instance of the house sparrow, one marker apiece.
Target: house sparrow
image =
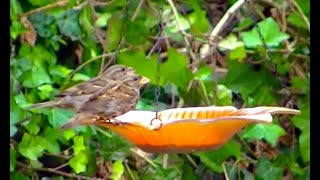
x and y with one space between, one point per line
78 94
113 93
112 102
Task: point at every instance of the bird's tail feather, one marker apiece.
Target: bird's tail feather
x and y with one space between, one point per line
48 104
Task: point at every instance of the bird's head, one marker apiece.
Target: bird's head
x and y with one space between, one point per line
117 72
136 81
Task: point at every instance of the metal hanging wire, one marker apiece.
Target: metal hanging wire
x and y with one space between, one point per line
159 49
124 21
269 57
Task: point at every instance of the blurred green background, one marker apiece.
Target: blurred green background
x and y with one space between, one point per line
56 44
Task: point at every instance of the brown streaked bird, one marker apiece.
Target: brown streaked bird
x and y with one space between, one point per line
114 92
78 94
110 102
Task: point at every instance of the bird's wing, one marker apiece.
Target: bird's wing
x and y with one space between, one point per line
112 103
87 87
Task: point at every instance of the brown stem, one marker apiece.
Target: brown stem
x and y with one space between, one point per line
50 170
47 7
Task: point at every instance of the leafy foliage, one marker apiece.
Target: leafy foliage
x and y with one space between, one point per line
56 44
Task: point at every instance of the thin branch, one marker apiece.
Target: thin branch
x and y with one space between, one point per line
135 14
50 170
165 161
225 171
175 14
194 164
143 157
86 63
215 32
102 4
47 7
301 13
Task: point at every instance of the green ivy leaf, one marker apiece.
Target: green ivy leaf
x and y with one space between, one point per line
80 77
145 67
114 29
265 170
38 61
57 117
305 6
85 20
79 162
13 130
262 96
175 69
188 173
304 145
296 20
136 33
199 22
32 126
240 76
31 146
302 121
44 24
68 24
269 30
15 9
230 42
16 29
117 170
18 176
35 164
39 2
69 133
16 113
203 73
224 95
214 159
45 91
51 140
78 144
269 132
103 19
13 155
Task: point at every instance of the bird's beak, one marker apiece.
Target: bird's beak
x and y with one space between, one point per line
144 80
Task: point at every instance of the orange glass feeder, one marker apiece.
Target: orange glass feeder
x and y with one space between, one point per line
185 130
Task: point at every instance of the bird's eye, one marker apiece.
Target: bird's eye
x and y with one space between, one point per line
136 78
123 69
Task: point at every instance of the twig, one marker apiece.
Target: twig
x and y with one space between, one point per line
105 3
225 172
165 161
22 121
50 170
104 132
175 14
61 166
144 157
96 32
301 13
44 8
86 63
215 32
136 12
194 164
129 170
80 6
245 145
